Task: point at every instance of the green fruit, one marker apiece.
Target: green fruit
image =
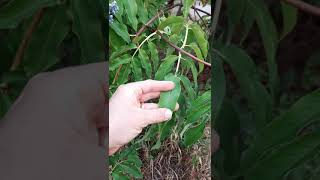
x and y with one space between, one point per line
168 99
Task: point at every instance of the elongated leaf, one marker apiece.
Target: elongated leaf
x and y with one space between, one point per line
199 107
17 10
43 50
187 85
132 10
246 73
154 55
186 7
142 12
144 58
269 36
165 67
114 64
124 75
121 30
197 50
122 51
200 38
193 134
87 26
170 21
284 127
219 87
136 69
289 20
169 99
191 65
280 161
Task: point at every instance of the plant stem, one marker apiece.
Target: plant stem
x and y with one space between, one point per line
183 45
154 33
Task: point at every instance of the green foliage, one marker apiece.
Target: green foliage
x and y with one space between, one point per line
149 56
266 131
45 35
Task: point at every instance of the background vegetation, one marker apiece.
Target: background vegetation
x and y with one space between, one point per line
266 96
44 35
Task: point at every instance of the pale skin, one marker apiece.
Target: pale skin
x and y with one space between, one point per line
51 131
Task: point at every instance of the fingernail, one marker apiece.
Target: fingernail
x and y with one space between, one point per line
168 114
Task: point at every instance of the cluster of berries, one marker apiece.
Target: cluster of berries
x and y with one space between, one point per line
113 9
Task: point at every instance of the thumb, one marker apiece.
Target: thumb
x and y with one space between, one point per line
152 116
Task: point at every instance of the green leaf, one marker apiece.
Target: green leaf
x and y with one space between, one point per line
246 73
43 50
136 69
122 51
114 64
199 107
269 36
197 50
17 10
165 67
132 170
219 86
280 161
169 99
121 30
144 58
171 20
87 25
131 10
142 13
187 4
187 85
289 20
200 38
193 134
235 10
154 55
284 127
124 75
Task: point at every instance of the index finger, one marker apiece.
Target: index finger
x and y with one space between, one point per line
153 86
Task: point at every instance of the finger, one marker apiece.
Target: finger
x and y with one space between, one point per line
148 96
155 115
153 86
149 106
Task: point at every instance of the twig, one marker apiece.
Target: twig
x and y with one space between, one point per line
304 6
117 74
183 51
215 18
205 12
26 39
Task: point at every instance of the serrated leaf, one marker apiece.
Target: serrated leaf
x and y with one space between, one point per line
136 69
191 64
87 26
144 58
187 4
275 165
200 106
284 127
131 10
142 13
168 99
115 63
122 51
121 30
200 38
187 85
197 50
43 50
193 134
289 18
165 67
17 10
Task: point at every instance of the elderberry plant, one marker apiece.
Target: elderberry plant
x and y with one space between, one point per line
171 47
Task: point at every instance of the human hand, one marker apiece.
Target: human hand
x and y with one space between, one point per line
129 114
50 132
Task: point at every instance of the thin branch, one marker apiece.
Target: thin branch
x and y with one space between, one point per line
183 51
304 6
117 74
216 13
205 12
26 39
